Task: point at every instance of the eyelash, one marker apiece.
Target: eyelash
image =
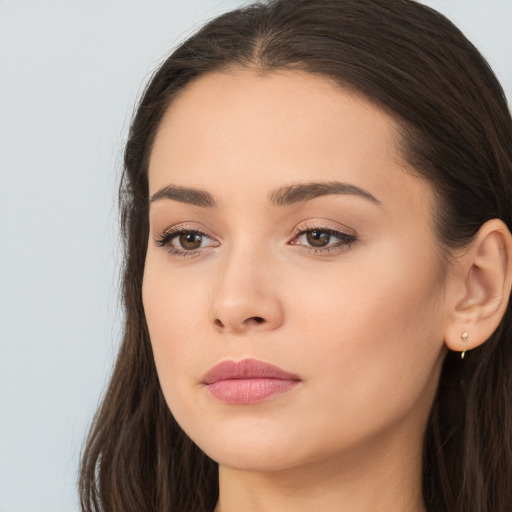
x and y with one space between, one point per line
165 239
346 240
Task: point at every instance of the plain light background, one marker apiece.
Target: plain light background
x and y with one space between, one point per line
70 73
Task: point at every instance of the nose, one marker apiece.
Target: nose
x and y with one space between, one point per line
246 296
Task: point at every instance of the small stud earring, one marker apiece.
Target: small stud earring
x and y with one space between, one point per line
464 337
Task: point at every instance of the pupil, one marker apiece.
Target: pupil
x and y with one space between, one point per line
190 241
318 238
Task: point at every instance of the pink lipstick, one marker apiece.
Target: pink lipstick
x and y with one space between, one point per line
248 381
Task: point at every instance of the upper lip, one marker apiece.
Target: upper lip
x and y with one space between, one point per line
246 369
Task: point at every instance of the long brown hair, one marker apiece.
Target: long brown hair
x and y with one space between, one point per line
457 133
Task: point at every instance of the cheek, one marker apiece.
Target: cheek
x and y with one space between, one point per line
373 327
172 308
376 295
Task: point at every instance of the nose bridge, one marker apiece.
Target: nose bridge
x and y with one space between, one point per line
245 295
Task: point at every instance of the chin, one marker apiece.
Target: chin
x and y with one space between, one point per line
251 457
250 445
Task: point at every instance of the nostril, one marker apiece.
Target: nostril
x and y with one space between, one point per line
251 320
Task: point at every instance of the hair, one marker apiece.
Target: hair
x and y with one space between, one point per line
456 133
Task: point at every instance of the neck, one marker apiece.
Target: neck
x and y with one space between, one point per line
377 482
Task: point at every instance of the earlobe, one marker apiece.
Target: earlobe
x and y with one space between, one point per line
482 285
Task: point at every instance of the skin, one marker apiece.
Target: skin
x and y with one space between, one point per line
363 325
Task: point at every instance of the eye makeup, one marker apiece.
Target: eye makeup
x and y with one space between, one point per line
321 240
185 241
312 238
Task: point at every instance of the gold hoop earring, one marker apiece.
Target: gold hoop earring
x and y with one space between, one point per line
465 337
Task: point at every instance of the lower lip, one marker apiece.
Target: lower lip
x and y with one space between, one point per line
249 391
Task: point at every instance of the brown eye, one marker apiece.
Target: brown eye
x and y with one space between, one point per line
190 241
317 238
185 242
323 240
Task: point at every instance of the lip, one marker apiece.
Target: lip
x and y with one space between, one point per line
247 381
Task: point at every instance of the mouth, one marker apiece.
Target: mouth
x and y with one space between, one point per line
248 381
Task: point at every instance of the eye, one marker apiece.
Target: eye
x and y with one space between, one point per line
189 241
184 242
318 240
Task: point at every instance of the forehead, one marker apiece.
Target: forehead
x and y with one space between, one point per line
279 107
263 131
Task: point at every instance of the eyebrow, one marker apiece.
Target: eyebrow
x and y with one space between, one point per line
292 194
184 195
283 196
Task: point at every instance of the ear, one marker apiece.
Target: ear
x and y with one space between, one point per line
478 288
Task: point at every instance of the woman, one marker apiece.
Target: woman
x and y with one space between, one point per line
316 208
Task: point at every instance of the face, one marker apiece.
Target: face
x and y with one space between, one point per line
292 288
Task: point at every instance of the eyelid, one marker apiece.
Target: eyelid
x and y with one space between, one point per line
320 224
165 238
187 227
346 237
